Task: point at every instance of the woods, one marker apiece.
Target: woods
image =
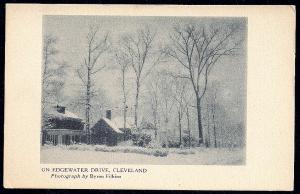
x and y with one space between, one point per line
139 47
197 50
162 77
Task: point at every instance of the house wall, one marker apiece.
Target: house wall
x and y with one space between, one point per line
104 134
64 137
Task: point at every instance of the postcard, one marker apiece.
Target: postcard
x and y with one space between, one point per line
149 97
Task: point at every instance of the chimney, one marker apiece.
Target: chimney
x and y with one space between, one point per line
61 109
108 114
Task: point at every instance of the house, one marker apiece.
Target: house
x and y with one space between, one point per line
62 127
112 131
106 132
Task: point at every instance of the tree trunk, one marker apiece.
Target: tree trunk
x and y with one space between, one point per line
155 133
125 111
188 125
199 120
167 130
155 122
189 138
220 137
124 98
215 135
136 104
208 126
44 77
88 87
179 126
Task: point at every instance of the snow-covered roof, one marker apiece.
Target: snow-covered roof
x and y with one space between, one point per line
119 122
70 114
112 125
64 131
67 114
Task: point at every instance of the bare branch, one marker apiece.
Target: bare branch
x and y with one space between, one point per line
170 52
100 44
97 70
80 76
175 76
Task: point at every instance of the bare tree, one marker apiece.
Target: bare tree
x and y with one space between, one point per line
49 51
213 111
212 106
179 97
90 67
53 79
123 63
208 138
197 49
153 89
99 102
187 113
187 105
166 98
139 48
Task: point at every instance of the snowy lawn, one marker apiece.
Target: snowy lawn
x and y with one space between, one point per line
135 155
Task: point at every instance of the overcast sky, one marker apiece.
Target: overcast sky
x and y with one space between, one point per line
72 31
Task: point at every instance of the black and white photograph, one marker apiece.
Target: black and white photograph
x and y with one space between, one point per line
157 90
149 97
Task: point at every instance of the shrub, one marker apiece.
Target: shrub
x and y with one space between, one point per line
161 153
72 148
173 143
185 141
106 149
135 139
141 140
154 144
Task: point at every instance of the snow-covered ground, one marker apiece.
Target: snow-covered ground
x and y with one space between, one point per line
204 156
